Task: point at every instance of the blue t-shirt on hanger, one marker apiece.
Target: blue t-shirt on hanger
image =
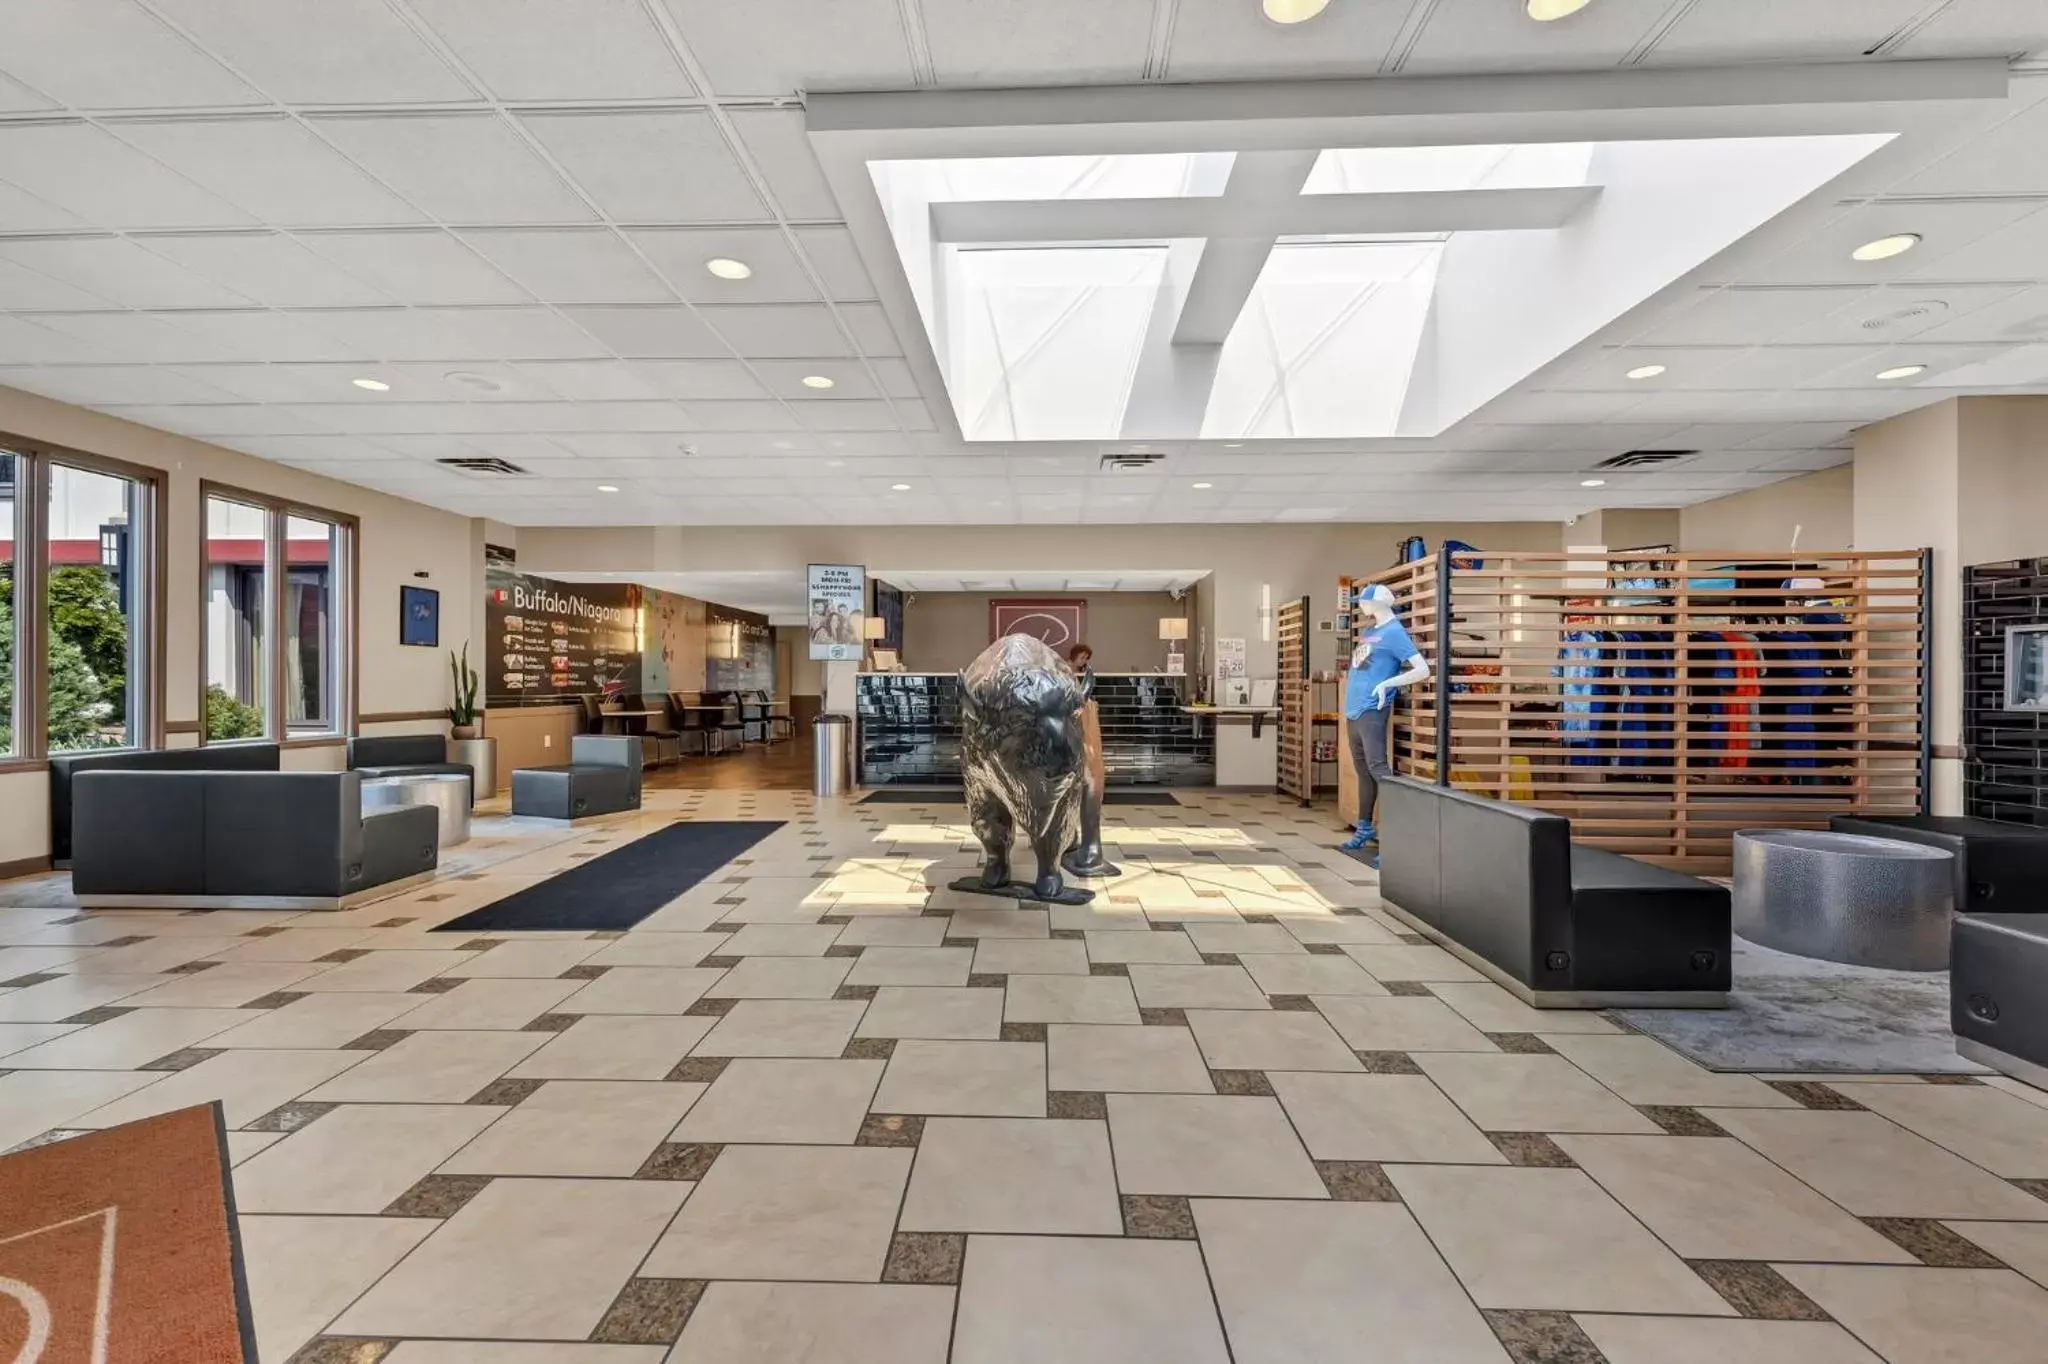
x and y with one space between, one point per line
1388 650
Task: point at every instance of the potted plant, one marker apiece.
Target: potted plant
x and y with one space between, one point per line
462 716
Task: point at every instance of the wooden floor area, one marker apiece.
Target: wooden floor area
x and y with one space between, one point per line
757 767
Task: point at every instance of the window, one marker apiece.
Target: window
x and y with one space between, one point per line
312 548
10 540
237 555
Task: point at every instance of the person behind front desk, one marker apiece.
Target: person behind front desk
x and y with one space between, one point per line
1385 661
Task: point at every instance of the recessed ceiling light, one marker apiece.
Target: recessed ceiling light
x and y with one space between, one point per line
1200 486
374 385
607 488
726 268
1592 483
1543 11
835 464
1901 371
1293 11
899 487
816 381
1646 371
1233 445
1884 248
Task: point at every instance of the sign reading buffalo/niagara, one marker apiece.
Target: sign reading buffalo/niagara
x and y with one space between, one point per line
551 640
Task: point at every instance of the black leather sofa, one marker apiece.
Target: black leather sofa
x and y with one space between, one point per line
1561 926
1998 992
246 840
602 777
65 767
1998 866
406 755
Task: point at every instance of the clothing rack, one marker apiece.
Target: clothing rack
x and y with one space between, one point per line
1662 706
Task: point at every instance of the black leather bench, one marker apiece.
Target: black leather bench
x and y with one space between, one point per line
406 755
1561 926
64 767
1998 992
602 777
1998 866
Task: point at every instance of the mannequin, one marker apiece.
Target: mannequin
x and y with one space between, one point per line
1384 662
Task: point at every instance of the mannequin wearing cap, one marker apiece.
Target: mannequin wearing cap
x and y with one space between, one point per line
1385 661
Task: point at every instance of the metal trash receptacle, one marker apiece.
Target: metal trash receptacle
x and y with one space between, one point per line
830 756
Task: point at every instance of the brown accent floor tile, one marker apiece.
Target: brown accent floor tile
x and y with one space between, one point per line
868 1049
2037 1187
836 920
1220 959
1158 927
478 945
1408 988
1357 1181
1812 1095
344 954
1241 1082
276 999
437 1196
1325 949
401 922
290 1117
506 1092
983 980
105 1013
604 934
1069 935
925 1257
1520 1043
1023 1032
1531 1149
1388 1062
710 1008
32 978
1158 1217
1108 968
183 1059
649 1312
1543 1338
855 992
553 1023
1679 1121
193 968
1075 1103
132 939
1296 1004
1951 1080
721 928
439 985
1258 918
713 963
1416 939
342 1350
699 1069
843 950
1933 1244
678 1160
1758 1291
377 1039
890 1129
1164 1018
583 971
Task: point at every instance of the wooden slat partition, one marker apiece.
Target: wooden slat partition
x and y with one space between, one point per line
1681 738
1297 740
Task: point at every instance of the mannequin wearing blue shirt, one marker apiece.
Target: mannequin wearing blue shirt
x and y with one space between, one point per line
1385 661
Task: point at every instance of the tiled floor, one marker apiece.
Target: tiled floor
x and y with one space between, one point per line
815 1109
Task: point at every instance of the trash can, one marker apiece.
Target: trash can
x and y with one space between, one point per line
830 757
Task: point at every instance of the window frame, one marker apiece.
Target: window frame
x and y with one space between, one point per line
149 558
344 587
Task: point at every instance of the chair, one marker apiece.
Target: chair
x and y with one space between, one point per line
601 777
660 747
593 714
732 725
696 724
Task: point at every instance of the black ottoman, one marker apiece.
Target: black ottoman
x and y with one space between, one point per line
1998 992
602 777
1999 866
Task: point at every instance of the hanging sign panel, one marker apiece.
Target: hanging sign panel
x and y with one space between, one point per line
838 597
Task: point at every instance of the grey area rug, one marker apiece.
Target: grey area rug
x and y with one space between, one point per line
1794 1014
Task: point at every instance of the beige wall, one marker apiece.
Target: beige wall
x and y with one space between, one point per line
806 675
1820 506
943 631
2002 489
531 736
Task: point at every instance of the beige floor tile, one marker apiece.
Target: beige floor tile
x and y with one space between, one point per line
431 1068
1315 1281
542 960
1932 1316
243 1146
933 1012
1691 1340
1069 999
1381 1118
818 1323
528 1259
1118 1301
1515 1093
129 1041
1241 1039
1643 1070
304 1270
229 985
1150 949
317 1021
1492 1009
893 931
781 940
1196 987
1712 1198
642 990
521 1352
912 965
578 1127
1154 1060
1208 1146
1400 1024
248 1084
388 970
1547 1240
782 978
1226 937
682 915
1875 1169
798 1213
56 1000
1410 962
297 944
1336 928
358 1158
1101 916
1026 956
965 1079
487 1005
784 1101
784 1027
615 1047
2003 1083
2006 1135
33 1102
168 947
2023 1245
1309 975
998 923
1035 1175
16 1037
641 948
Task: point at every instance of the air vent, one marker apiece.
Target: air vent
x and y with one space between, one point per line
1126 460
1899 317
1644 459
489 465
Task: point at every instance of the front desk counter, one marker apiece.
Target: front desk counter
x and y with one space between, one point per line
910 730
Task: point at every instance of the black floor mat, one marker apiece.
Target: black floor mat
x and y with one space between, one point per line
624 886
898 795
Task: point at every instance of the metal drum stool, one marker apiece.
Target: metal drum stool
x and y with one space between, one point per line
1844 897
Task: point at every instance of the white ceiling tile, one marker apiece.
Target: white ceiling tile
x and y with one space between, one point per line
138 336
264 336
2013 156
897 380
1037 42
105 182
915 414
594 380
16 98
785 378
651 167
855 415
423 268
1978 28
1899 312
276 383
1484 35
559 49
699 379
1948 250
871 329
1733 317
775 139
266 267
1800 436
111 54
22 288
273 168
458 168
1223 41
1771 30
306 450
760 416
459 333
202 420
101 385
320 51
2020 316
680 254
116 269
22 342
23 212
650 332
846 45
2014 252
624 445
571 265
774 330
837 261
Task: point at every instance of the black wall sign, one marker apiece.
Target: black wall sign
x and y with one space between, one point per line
549 641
